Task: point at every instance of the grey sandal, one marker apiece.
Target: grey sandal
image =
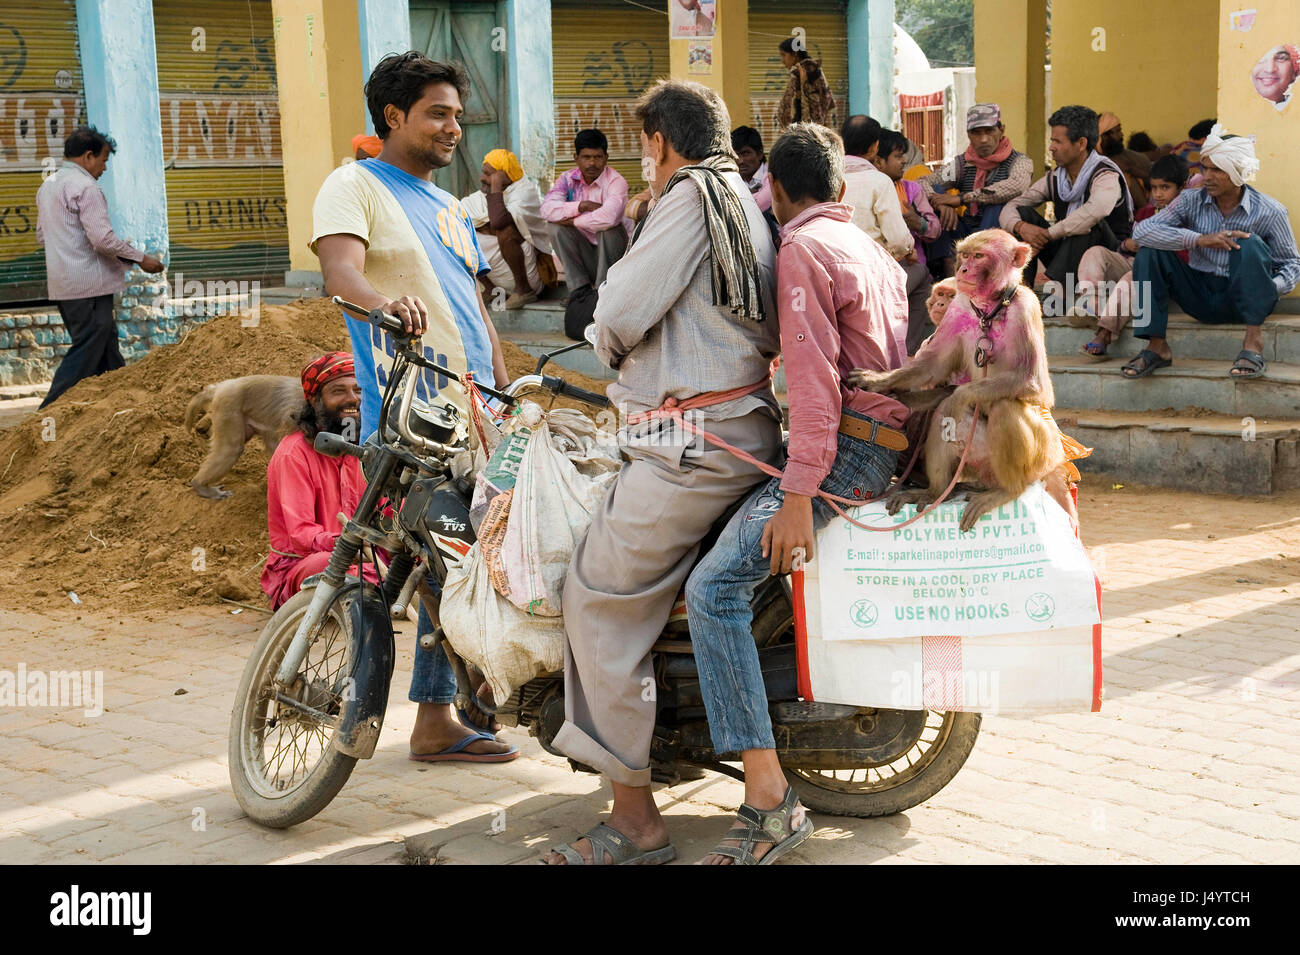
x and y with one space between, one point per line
785 828
608 843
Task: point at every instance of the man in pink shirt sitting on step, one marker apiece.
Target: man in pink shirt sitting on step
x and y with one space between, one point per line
585 207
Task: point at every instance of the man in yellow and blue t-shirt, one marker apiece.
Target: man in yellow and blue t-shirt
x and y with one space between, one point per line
387 237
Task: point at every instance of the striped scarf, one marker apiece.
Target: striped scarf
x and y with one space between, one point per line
737 282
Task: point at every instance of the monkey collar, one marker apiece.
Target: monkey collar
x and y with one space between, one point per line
984 346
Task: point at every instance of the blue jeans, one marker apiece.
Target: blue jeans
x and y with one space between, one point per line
721 586
432 680
945 247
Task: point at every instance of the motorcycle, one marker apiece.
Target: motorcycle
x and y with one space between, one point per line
314 692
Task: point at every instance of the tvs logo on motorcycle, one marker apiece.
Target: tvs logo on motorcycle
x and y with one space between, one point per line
1040 607
863 613
450 524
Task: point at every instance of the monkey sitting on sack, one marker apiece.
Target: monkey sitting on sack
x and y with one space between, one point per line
234 410
990 346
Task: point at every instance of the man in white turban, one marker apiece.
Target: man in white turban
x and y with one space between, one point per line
1242 257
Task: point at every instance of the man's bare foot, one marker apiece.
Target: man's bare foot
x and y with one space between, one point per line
436 729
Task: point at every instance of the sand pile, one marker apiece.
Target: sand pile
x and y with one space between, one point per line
105 508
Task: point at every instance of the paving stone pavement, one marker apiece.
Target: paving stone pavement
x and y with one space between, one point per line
1192 759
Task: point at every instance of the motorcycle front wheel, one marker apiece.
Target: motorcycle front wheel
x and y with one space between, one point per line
284 768
924 763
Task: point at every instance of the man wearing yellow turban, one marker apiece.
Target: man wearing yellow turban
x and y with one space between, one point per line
506 213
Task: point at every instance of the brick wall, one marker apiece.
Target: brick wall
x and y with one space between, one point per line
33 340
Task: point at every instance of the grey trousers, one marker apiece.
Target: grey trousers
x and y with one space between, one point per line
584 263
625 577
919 326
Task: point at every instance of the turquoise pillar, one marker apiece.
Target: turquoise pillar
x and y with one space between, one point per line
120 67
532 101
121 82
385 27
871 59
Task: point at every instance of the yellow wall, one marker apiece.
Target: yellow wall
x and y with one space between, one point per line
1245 112
1010 51
730 70
318 68
1157 71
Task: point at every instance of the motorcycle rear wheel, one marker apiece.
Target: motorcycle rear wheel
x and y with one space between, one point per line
876 789
266 733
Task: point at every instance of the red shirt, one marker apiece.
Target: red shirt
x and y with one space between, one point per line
1146 212
305 491
842 302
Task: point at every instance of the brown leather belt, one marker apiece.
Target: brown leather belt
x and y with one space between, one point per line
873 432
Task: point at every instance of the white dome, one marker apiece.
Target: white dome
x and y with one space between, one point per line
908 56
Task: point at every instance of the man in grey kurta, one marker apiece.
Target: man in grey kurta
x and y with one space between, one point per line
657 324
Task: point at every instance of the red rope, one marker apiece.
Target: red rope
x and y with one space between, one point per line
673 410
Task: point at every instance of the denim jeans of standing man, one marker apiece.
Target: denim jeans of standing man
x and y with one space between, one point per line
720 588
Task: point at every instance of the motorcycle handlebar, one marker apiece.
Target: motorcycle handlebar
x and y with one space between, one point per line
564 389
393 325
333 445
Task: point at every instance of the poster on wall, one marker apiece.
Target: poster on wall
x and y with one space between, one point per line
692 18
1274 74
699 57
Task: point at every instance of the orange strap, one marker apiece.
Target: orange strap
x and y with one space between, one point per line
674 409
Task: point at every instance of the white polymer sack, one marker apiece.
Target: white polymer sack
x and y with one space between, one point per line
507 644
1005 618
565 474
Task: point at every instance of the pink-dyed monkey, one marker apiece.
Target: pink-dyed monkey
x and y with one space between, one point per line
990 345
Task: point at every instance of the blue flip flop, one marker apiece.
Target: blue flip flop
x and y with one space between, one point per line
470 724
457 754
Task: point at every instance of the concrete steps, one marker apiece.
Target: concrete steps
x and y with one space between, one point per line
1189 426
1188 338
1190 382
1193 451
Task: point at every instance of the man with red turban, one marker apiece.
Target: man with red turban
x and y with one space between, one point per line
305 490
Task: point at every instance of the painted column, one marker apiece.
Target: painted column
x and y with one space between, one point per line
1244 38
385 27
871 60
318 66
1010 69
532 99
120 68
728 67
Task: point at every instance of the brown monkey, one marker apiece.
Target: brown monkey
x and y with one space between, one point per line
990 345
235 410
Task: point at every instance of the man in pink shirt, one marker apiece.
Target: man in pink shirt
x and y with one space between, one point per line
585 207
842 303
85 261
306 490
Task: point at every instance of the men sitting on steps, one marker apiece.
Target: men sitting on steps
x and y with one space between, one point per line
507 215
1243 258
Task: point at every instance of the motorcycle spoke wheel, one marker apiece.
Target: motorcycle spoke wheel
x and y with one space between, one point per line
286 733
880 777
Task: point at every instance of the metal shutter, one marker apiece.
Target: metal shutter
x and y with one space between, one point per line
221 138
605 55
825 26
40 104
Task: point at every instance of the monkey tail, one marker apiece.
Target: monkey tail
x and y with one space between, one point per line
198 406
